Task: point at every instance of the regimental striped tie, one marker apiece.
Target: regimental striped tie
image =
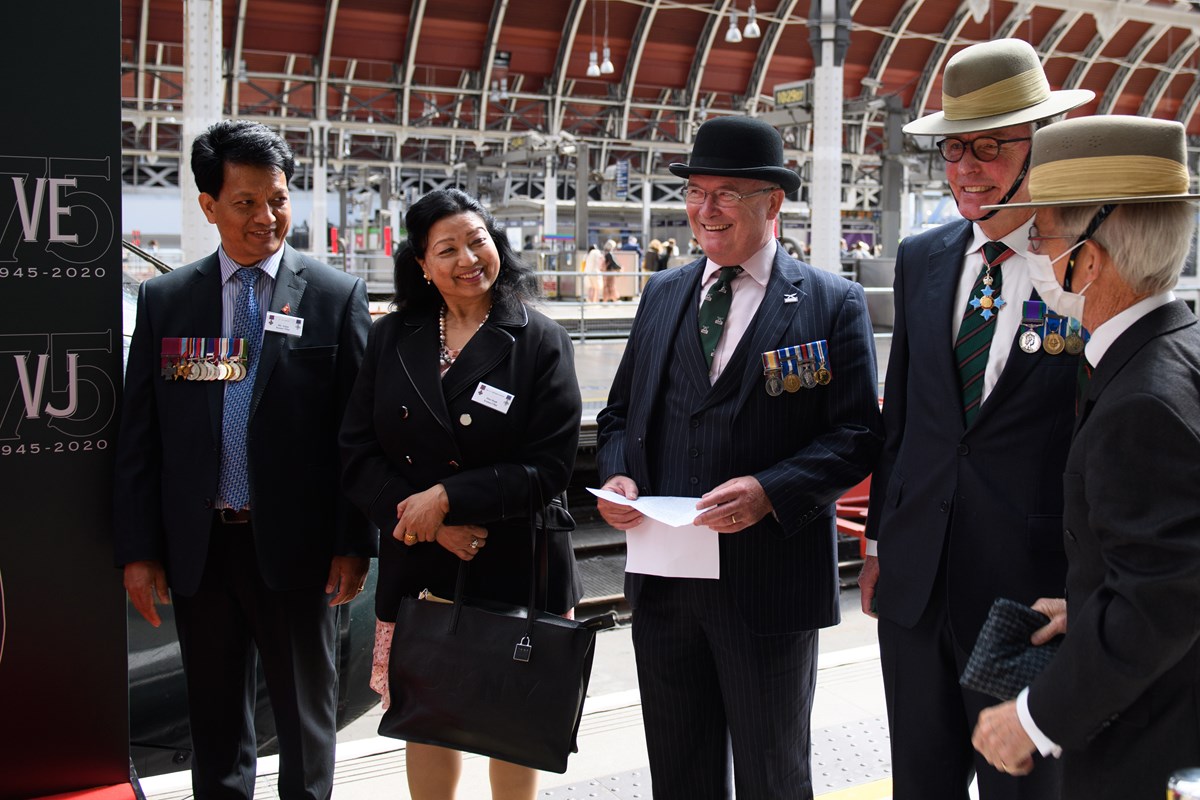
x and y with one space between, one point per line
978 327
715 309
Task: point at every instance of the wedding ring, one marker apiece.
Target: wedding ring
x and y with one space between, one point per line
1004 767
475 544
410 537
734 518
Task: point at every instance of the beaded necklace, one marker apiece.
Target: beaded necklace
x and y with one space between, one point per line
444 354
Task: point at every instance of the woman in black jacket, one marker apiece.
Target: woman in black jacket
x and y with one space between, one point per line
463 385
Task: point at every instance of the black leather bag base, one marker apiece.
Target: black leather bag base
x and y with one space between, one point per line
1004 661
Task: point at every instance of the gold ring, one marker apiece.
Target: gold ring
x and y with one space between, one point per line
410 537
734 518
475 544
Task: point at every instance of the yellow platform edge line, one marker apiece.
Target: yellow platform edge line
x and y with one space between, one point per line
876 790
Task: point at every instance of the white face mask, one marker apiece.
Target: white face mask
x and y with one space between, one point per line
1041 273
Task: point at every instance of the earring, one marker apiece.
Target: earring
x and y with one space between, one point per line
425 275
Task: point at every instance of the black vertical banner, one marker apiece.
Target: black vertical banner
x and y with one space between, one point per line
63 717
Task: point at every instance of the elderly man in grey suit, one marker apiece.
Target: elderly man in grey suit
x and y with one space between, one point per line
748 382
1119 700
966 502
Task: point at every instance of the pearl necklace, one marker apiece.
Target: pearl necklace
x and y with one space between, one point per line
444 355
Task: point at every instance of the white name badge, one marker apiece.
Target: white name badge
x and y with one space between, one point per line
283 323
492 397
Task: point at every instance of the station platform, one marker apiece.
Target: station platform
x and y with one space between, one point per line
850 757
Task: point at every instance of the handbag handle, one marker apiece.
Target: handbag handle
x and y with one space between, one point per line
537 577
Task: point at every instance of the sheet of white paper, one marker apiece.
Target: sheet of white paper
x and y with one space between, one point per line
666 542
675 511
675 551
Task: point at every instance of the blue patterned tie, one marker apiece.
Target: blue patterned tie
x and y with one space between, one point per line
247 324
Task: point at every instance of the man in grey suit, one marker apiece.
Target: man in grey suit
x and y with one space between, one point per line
1119 701
227 472
748 382
966 500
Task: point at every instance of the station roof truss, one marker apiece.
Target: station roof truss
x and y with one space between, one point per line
432 87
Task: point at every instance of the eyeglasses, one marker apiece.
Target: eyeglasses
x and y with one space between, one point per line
1036 239
724 198
985 148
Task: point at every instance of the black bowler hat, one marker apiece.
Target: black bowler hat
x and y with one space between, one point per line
739 147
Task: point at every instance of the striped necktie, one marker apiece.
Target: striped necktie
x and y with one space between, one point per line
715 309
978 327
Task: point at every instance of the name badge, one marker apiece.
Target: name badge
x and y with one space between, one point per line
282 323
492 397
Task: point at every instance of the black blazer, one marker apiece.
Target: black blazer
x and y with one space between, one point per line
994 489
407 429
169 448
805 448
1122 696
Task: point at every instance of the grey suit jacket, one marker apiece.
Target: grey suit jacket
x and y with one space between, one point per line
804 448
168 451
1122 696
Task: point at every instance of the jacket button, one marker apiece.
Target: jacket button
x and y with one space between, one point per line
693 452
963 449
945 505
403 412
695 423
693 480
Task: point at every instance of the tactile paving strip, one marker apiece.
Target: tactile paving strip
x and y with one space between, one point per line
843 756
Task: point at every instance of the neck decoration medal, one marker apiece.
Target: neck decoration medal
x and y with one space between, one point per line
773 372
1035 311
1054 342
988 302
1075 342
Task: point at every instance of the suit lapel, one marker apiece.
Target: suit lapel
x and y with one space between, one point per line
941 289
490 345
773 317
418 354
1017 368
204 306
1159 322
289 289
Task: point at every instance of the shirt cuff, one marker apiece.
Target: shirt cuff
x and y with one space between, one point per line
872 548
1040 740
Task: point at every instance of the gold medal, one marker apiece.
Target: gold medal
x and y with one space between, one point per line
791 382
823 376
1053 343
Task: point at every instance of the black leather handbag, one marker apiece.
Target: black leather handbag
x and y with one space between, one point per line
502 681
1004 661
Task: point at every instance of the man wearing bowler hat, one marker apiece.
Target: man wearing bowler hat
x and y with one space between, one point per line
1119 700
966 502
748 382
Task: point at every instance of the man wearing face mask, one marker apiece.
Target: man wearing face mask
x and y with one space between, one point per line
1119 699
966 500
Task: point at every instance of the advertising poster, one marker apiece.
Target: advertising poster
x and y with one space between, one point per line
63 704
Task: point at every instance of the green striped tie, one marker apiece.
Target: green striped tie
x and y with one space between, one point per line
978 327
715 309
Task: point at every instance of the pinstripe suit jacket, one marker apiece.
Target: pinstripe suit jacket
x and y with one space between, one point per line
805 448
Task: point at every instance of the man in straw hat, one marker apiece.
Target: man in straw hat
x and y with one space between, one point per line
966 501
748 383
1119 700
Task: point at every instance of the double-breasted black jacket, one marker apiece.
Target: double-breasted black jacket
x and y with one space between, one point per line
407 429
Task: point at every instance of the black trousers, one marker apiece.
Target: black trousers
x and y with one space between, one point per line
232 619
932 718
711 689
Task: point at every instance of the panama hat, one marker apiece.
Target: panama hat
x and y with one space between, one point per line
994 85
739 147
1108 159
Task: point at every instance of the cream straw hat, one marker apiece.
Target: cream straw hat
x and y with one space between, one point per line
1108 159
994 85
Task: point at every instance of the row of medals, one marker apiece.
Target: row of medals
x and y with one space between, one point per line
807 374
1053 342
205 370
